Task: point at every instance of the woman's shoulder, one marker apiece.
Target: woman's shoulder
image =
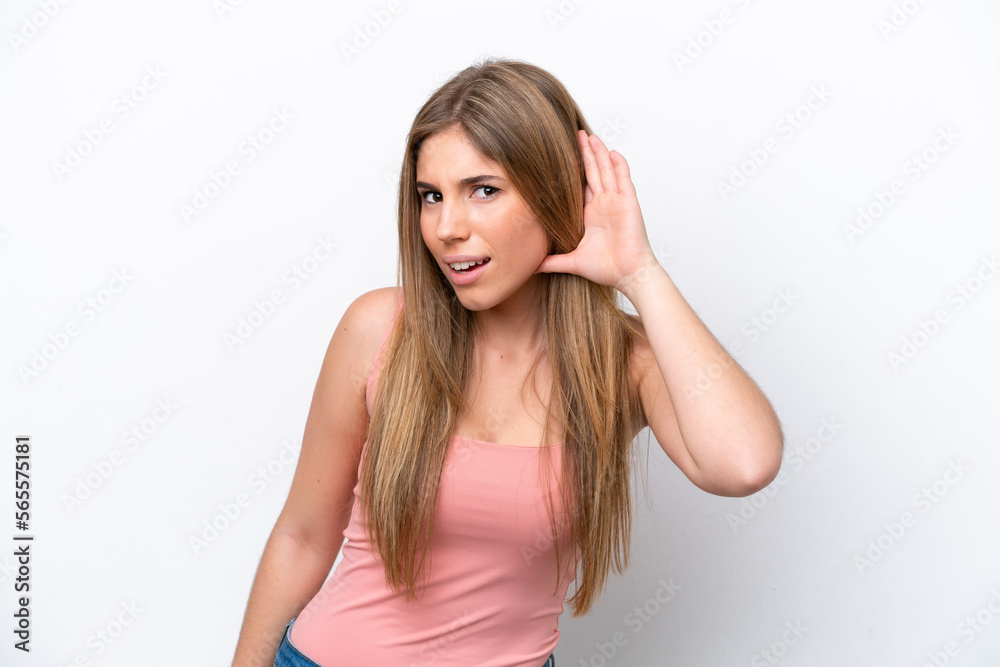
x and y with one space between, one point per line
372 313
379 303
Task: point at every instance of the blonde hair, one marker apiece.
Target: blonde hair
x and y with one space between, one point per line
521 117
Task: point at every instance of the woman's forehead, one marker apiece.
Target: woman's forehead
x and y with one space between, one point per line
450 154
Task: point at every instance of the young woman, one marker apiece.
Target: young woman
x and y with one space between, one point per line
469 503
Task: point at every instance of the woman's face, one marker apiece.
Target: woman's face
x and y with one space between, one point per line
469 208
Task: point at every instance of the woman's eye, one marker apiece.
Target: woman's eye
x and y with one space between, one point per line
432 197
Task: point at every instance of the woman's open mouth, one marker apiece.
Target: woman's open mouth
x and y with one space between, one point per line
468 274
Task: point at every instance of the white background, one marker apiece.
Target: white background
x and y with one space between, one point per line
747 569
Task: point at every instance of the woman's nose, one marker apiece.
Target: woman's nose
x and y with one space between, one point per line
452 221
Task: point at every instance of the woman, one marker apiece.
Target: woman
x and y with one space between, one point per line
468 503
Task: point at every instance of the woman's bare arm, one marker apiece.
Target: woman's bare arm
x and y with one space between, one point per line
289 575
309 532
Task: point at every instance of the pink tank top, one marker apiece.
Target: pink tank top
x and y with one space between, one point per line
488 598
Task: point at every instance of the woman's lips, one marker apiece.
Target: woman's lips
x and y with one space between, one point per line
469 276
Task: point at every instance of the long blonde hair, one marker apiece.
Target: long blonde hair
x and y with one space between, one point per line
522 118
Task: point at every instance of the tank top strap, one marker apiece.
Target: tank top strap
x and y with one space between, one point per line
377 363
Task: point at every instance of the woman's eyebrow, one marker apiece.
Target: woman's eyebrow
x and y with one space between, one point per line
471 180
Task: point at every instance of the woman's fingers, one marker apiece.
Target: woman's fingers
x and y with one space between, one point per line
609 180
590 167
624 181
604 172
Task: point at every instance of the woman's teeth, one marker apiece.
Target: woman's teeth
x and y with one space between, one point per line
461 266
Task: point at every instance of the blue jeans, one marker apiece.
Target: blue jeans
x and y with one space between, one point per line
289 656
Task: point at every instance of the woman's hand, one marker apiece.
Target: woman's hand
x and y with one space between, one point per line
614 248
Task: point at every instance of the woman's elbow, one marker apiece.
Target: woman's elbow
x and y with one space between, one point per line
760 471
748 477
